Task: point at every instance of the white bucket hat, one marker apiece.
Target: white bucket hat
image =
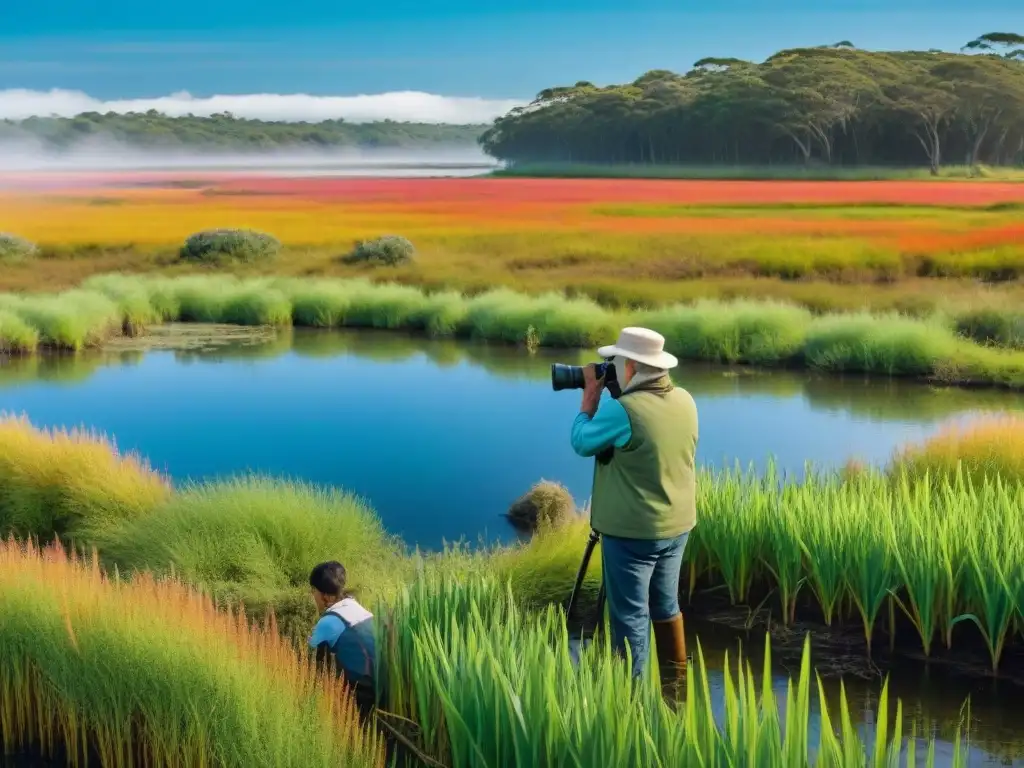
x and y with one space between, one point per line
641 345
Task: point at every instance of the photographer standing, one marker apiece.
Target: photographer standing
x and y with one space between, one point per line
643 500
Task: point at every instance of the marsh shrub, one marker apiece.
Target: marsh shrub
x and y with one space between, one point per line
389 251
217 246
545 505
14 248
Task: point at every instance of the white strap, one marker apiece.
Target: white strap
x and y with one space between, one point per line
350 612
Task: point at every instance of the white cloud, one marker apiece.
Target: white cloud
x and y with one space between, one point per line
413 106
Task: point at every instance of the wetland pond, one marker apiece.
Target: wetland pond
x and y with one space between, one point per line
440 437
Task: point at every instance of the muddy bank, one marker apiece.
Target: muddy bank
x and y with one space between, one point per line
191 336
842 649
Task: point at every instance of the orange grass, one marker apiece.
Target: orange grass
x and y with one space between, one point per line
60 482
987 447
625 242
150 673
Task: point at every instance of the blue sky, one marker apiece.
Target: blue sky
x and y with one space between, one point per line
128 49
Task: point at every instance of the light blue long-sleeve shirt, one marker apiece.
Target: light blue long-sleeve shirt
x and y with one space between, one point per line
609 427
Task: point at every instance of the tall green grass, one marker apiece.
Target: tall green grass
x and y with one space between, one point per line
489 685
16 335
104 671
760 333
69 321
844 549
253 541
849 548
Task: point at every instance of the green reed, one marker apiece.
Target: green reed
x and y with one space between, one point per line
491 685
942 552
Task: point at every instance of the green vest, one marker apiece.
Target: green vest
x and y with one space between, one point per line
647 489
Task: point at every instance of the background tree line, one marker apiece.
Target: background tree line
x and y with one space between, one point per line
153 130
833 105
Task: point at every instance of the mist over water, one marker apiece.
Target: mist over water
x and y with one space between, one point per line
22 156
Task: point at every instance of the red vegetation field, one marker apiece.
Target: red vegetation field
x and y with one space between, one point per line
552 191
569 191
634 240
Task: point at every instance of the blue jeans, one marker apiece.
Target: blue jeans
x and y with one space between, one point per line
641 580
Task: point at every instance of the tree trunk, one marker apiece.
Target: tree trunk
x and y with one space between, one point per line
804 146
979 138
928 136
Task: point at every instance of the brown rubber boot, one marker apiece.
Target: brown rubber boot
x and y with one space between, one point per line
670 644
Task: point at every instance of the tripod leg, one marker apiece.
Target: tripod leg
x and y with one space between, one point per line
581 574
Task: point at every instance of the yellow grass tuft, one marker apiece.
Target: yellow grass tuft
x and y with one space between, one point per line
989 447
61 482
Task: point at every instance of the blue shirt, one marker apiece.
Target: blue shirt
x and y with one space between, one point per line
609 427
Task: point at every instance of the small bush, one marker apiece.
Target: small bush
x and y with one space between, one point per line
545 505
14 249
389 251
217 246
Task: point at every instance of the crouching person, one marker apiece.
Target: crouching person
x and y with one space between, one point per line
344 635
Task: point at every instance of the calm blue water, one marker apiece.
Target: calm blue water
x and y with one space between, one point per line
438 437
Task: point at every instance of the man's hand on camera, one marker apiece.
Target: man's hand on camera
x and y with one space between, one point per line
592 387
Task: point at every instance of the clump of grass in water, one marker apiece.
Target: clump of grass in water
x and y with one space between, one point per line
504 315
134 300
545 505
16 336
503 690
72 320
895 345
762 333
149 672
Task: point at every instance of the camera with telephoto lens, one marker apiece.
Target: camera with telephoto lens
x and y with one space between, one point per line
571 376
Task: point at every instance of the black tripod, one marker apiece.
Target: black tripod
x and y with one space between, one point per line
581 575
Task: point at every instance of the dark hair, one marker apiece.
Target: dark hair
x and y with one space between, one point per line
328 578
